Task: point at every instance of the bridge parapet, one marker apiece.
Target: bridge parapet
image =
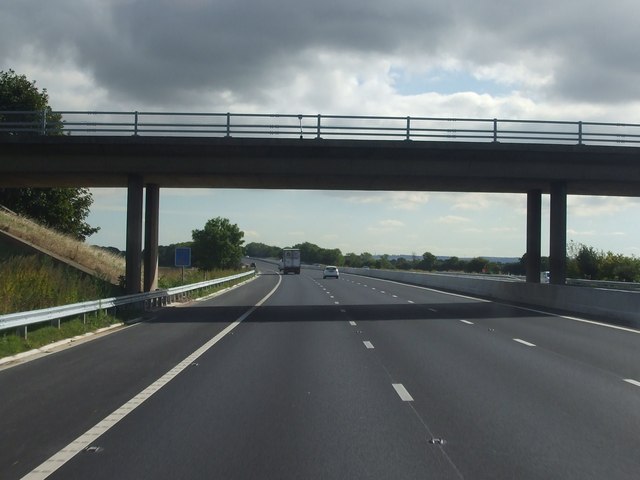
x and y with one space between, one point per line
316 126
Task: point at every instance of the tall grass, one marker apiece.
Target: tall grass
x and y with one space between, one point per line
169 277
32 282
100 262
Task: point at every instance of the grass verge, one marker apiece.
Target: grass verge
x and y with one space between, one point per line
11 343
40 335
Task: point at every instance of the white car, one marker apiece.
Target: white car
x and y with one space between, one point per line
330 271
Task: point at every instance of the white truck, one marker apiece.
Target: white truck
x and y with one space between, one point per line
290 261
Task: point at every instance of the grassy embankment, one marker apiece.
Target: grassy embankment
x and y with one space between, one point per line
31 280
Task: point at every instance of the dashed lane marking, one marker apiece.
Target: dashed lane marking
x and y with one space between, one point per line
523 342
467 322
402 392
368 344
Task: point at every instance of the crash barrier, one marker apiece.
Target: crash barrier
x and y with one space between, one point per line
157 298
616 305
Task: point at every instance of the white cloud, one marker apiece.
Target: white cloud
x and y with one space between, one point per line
600 206
453 220
391 223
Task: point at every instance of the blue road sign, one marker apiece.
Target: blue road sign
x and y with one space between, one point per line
183 257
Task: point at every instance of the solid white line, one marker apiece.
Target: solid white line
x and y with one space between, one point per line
368 344
402 392
467 322
410 301
86 439
632 382
394 296
352 323
524 342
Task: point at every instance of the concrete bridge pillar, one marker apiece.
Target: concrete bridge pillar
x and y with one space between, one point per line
558 234
151 222
534 233
134 234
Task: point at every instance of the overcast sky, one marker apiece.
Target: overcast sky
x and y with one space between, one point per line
569 60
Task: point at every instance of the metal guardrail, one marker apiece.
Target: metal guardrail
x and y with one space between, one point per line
318 126
159 297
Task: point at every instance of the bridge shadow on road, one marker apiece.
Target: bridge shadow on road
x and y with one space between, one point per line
320 313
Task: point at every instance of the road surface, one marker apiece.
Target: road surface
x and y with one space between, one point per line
348 379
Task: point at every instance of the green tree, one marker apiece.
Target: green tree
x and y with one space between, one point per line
261 250
477 265
63 209
217 245
588 260
24 110
428 261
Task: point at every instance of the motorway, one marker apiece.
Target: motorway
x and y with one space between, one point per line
296 377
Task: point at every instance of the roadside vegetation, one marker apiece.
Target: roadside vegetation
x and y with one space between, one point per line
42 335
583 262
34 281
101 262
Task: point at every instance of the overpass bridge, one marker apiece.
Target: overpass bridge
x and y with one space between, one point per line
152 150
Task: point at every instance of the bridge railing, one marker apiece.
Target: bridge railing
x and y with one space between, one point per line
21 320
318 126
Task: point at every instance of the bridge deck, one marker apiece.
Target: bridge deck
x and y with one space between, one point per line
277 163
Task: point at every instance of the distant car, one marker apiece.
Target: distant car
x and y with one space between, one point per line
330 271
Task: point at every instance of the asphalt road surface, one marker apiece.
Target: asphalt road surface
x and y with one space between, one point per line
296 377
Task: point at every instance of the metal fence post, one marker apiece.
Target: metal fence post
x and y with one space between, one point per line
408 128
318 127
228 124
580 133
43 122
135 124
495 129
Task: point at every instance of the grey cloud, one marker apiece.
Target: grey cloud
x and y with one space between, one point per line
159 52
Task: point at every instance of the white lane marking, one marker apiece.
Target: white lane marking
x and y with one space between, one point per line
433 310
410 301
352 323
575 319
467 322
368 344
373 288
337 303
632 382
402 392
543 312
523 342
342 310
86 439
394 296
382 291
433 290
331 296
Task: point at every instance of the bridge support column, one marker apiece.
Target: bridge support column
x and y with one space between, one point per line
534 233
151 222
134 233
558 234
